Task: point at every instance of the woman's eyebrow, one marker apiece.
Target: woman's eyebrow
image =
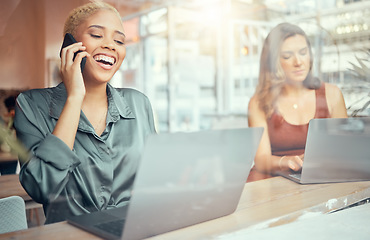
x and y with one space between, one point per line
291 51
286 52
101 27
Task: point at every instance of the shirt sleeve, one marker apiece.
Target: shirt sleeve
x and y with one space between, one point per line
45 174
150 115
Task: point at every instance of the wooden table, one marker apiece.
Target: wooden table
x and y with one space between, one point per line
10 186
268 202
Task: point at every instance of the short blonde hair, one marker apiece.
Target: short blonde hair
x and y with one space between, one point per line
81 13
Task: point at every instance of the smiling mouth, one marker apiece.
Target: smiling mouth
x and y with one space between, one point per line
106 60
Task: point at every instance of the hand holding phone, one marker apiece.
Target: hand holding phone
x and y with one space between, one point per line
68 40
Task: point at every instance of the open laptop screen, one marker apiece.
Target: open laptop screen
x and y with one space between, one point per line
337 150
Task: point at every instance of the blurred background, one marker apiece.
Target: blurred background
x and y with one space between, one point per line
196 60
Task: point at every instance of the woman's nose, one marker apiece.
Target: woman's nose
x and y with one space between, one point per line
107 43
297 61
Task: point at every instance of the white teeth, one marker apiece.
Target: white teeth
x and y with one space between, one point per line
104 58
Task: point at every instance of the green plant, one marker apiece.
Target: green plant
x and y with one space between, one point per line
361 72
7 136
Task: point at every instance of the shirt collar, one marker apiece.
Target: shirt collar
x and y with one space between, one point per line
116 102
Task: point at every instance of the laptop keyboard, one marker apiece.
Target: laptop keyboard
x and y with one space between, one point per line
295 175
114 227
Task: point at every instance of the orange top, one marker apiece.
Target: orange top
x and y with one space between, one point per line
289 139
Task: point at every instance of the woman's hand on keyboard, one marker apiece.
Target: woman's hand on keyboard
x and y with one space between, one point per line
293 163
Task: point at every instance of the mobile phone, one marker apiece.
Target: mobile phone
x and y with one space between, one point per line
68 40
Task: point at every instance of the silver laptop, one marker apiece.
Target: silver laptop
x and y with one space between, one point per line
183 179
337 150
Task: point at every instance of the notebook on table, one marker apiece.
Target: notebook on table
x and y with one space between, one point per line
337 150
183 179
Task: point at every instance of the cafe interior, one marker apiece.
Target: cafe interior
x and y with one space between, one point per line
198 63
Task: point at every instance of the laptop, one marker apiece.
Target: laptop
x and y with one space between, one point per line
337 150
183 179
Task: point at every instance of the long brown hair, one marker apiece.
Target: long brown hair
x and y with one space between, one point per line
271 76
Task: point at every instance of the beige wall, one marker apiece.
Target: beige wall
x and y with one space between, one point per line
30 35
30 39
55 16
22 44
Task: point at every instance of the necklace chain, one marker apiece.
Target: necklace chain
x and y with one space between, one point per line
104 117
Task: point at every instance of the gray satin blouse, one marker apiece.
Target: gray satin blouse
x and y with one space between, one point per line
99 172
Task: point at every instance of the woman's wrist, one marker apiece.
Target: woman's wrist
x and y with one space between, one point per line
75 99
280 160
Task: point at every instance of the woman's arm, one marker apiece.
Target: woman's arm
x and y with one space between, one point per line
264 160
67 124
335 100
45 174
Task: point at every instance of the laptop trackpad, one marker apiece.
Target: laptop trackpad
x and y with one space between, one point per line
107 223
100 216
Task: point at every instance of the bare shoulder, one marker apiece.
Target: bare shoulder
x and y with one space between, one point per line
253 103
332 91
335 100
256 116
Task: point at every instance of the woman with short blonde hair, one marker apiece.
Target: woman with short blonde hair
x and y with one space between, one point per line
85 136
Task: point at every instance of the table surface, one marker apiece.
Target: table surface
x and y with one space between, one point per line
269 202
10 186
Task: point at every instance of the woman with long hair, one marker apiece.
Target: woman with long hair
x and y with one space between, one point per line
287 97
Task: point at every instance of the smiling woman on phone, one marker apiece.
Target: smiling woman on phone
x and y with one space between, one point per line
85 137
